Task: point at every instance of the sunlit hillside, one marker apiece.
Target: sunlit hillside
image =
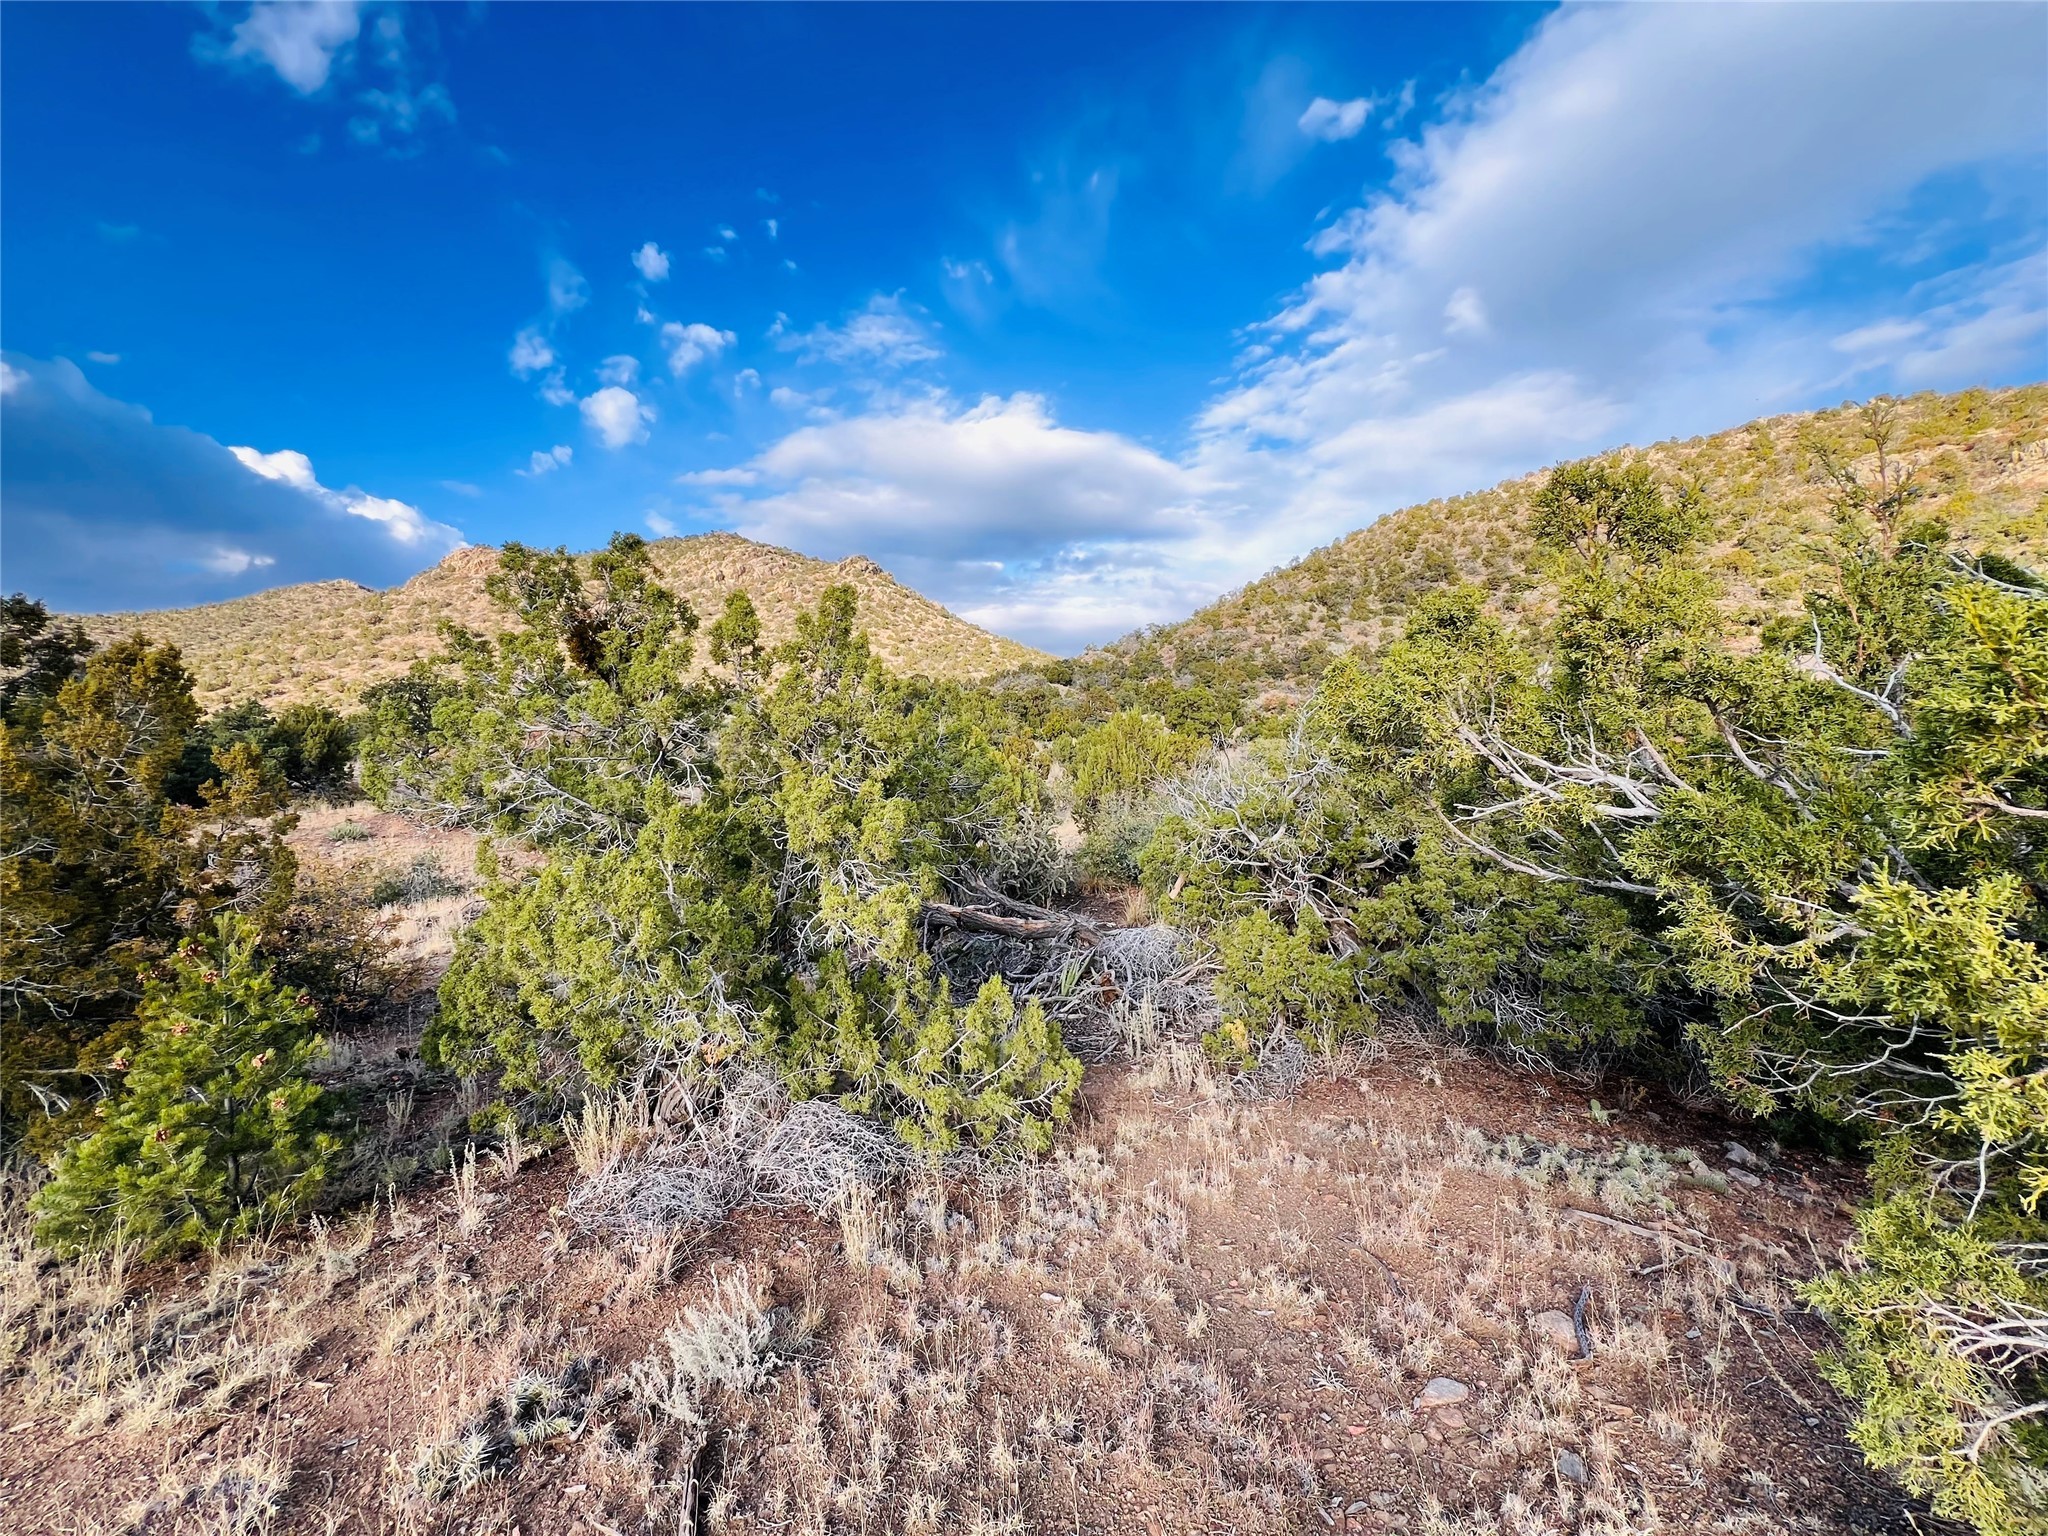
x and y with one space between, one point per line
324 641
1980 457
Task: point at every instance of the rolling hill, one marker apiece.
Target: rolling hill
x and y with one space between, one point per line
325 641
1981 455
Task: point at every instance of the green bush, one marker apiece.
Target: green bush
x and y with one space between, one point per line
739 861
214 1133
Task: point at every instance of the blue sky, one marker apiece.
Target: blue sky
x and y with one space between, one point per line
1071 317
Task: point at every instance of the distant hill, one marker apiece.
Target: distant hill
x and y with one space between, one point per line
325 641
1981 454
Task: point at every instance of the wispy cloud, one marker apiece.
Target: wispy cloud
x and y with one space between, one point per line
1331 121
1619 236
548 461
883 333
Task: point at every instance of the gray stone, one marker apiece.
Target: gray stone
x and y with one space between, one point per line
1572 1465
1556 1330
1742 1157
1442 1391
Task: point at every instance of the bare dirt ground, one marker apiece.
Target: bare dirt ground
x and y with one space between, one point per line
1197 1315
1429 1294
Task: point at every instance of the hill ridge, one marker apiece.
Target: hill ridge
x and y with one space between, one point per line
1983 455
324 641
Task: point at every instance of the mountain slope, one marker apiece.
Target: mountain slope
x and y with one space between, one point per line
325 641
1982 456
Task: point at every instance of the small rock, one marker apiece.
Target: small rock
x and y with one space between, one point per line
1450 1418
1442 1391
1356 1507
1354 1429
1555 1329
1324 1453
1572 1465
1417 1444
1742 1157
1746 1180
1386 1498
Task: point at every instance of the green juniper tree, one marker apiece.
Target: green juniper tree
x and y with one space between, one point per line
213 1134
737 860
1836 846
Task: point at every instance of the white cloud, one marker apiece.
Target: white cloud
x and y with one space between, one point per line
555 390
299 39
617 416
1618 234
567 289
1465 313
774 228
622 368
715 253
461 488
405 523
737 476
689 345
547 463
745 379
1333 120
107 508
652 262
662 527
1625 234
108 359
727 233
531 353
883 333
223 561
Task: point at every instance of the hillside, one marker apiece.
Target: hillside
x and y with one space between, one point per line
324 641
1982 457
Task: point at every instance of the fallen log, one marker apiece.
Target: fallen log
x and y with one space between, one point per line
1054 927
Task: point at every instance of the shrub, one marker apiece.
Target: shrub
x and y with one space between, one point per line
213 1134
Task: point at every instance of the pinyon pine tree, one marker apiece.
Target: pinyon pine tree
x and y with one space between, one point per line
214 1135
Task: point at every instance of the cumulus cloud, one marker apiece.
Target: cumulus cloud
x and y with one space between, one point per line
617 416
622 368
107 359
309 44
883 333
299 39
531 353
1331 121
109 509
652 262
689 345
546 463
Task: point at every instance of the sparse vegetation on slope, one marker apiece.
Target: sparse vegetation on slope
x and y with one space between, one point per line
1982 457
324 642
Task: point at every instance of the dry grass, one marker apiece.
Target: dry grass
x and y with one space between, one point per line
1980 455
325 641
1198 1314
